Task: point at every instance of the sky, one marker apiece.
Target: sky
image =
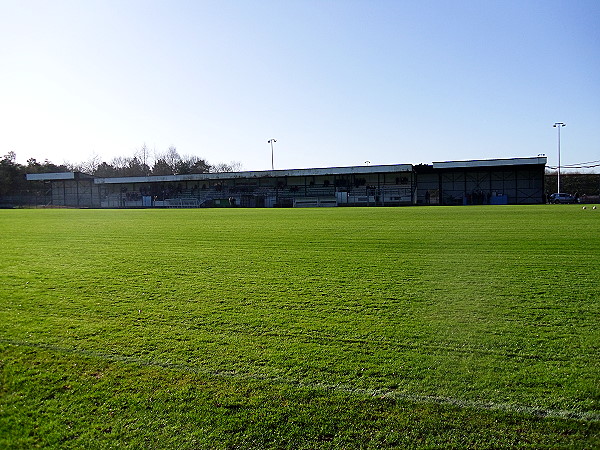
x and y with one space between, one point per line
335 82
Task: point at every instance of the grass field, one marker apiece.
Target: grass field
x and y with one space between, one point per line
307 328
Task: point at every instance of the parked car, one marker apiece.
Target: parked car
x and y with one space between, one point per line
562 198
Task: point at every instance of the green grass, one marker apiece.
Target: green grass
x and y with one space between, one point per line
309 328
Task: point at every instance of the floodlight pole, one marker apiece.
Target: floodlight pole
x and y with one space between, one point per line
271 141
559 125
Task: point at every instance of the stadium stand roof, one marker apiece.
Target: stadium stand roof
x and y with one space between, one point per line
261 174
58 176
489 162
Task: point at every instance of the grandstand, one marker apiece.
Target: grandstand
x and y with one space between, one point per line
497 181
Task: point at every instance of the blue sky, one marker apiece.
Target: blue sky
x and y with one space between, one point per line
336 82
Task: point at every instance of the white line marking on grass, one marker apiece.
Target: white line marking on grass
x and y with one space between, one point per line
584 416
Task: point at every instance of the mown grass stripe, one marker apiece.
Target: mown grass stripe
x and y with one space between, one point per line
585 416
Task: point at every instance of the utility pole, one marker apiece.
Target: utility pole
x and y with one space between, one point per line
559 125
271 141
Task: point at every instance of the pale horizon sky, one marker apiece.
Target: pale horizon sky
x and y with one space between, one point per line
336 82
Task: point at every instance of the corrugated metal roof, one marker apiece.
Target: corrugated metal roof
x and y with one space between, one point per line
490 162
260 174
52 176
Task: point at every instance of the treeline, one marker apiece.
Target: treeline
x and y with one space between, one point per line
573 183
12 174
142 163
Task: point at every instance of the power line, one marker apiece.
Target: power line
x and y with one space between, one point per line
582 165
591 166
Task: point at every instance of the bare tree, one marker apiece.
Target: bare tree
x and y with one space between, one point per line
141 164
91 165
172 158
167 163
233 166
143 156
120 163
